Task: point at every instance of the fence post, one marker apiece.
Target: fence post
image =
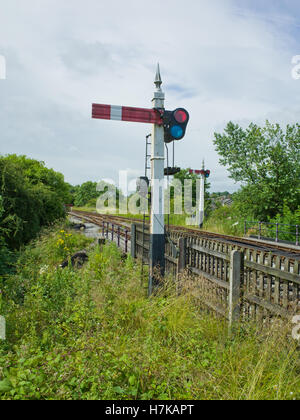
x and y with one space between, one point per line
119 233
182 252
133 241
235 283
277 232
126 241
181 264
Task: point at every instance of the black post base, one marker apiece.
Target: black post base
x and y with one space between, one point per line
157 261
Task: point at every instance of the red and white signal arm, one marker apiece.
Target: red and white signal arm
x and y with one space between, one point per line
200 172
126 113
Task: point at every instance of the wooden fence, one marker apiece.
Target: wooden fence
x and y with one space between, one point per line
237 283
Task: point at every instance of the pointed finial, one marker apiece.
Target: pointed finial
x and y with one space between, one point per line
203 164
157 80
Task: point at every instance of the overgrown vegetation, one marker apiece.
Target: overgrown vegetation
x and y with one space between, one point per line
93 334
31 197
6 256
226 220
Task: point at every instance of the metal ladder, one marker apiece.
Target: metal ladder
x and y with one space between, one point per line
145 262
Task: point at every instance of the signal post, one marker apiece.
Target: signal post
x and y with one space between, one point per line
202 197
167 127
203 174
157 222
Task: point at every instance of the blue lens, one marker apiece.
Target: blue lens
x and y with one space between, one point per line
176 131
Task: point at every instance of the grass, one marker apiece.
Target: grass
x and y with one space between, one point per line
93 334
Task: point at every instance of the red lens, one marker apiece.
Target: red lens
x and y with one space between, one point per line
180 116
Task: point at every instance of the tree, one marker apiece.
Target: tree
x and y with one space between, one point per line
36 173
32 197
267 163
89 192
84 193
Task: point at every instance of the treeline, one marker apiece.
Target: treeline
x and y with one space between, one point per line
87 194
32 196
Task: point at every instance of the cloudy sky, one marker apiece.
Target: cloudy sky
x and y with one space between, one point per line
220 59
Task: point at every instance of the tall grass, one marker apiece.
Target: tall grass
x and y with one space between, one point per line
94 334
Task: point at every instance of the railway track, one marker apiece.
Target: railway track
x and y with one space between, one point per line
118 232
256 245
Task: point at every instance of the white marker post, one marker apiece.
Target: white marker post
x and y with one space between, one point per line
202 197
157 224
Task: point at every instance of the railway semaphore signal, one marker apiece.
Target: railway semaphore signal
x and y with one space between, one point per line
204 174
167 126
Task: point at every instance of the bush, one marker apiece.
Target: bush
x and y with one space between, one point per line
32 197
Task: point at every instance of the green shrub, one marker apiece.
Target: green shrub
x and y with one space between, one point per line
33 196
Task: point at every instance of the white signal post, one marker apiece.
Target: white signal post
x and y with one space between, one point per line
200 220
157 224
202 197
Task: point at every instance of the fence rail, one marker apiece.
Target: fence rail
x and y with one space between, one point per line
235 282
279 232
117 233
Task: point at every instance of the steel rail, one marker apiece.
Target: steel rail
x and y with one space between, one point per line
240 241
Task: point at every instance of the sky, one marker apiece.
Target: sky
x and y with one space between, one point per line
222 60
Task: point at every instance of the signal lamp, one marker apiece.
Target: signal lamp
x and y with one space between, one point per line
175 123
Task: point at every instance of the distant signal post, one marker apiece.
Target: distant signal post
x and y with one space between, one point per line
167 126
204 174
